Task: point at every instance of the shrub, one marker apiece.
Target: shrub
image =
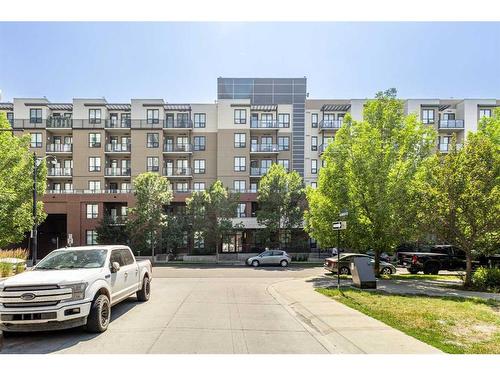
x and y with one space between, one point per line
20 267
486 279
14 253
5 269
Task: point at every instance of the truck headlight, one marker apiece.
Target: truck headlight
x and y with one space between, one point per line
77 291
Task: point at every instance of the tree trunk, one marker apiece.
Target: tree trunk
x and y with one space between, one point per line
468 270
376 266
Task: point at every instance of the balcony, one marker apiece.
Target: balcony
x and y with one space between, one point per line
264 124
330 124
177 124
59 123
117 219
116 172
90 191
118 147
447 147
60 172
264 148
258 171
177 148
451 124
117 124
177 172
59 148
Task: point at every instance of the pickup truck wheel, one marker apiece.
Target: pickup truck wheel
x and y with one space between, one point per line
145 292
412 271
100 314
431 268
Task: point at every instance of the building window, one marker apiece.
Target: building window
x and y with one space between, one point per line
240 140
199 186
94 140
199 166
153 140
314 120
428 116
182 187
94 116
94 164
199 143
95 186
283 143
91 237
10 118
254 187
92 211
35 116
485 112
36 140
200 120
284 120
241 210
314 185
153 164
239 164
314 143
240 116
314 166
285 163
239 186
153 116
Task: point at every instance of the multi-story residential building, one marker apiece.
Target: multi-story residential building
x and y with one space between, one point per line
99 147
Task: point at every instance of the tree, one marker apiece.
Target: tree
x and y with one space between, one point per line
111 232
152 193
368 170
211 213
174 232
459 196
281 199
16 185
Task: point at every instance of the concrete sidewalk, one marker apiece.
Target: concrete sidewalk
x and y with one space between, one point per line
339 328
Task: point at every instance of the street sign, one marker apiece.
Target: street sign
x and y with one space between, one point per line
339 225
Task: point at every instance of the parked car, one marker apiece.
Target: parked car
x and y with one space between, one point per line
437 258
383 255
270 257
73 287
347 258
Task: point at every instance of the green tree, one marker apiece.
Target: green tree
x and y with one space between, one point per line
111 232
281 199
368 171
16 185
174 232
211 213
459 196
147 218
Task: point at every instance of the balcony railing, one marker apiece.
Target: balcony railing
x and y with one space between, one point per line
117 124
177 172
60 172
258 171
177 147
59 122
330 124
447 147
90 191
110 171
117 219
59 147
118 147
177 124
451 124
264 147
264 124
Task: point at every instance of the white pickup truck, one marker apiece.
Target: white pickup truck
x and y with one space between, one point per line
73 287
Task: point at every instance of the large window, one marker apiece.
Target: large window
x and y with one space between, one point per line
153 164
94 140
199 166
241 210
94 164
314 120
200 120
283 143
199 143
314 166
428 116
314 143
285 163
35 116
36 140
182 187
153 116
199 186
92 211
240 116
153 140
284 120
239 140
94 116
484 112
91 237
240 164
95 186
239 186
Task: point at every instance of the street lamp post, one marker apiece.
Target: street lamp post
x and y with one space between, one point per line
343 214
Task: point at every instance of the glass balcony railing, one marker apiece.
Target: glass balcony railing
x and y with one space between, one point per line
117 124
185 147
59 147
118 147
451 124
264 147
177 172
111 171
59 122
258 171
447 147
60 172
177 124
330 124
264 124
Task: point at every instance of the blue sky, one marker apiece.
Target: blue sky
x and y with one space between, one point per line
180 62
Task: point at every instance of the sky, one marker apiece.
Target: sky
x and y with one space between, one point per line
180 62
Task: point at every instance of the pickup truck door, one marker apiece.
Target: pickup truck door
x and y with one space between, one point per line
117 279
131 272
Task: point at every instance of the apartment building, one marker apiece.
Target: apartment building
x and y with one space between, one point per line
96 148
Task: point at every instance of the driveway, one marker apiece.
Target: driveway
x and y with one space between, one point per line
200 309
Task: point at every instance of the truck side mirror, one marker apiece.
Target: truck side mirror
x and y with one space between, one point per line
115 267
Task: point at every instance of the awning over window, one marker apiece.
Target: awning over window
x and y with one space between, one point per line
336 107
60 106
264 108
118 107
177 107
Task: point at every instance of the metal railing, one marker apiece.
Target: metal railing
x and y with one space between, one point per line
446 147
264 124
110 171
185 147
258 171
117 124
451 124
59 122
90 191
59 147
177 124
330 124
60 172
264 147
118 147
177 172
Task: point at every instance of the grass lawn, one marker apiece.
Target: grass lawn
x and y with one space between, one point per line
423 277
451 324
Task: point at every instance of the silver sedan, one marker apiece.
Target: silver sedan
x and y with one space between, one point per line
270 257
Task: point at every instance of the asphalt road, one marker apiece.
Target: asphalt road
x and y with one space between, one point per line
193 309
